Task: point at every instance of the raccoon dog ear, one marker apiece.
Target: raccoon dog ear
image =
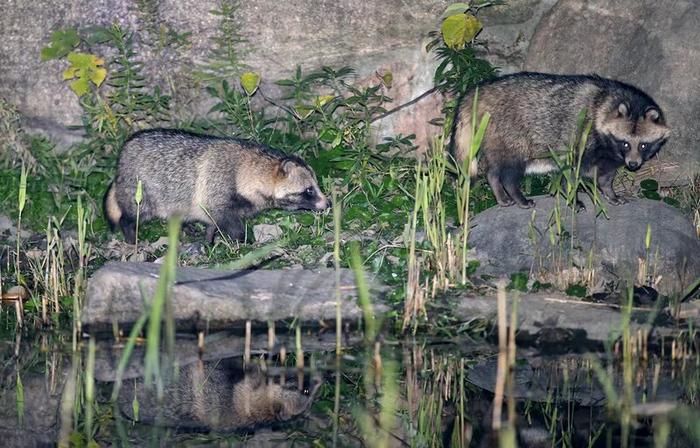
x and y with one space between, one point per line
285 167
652 114
622 110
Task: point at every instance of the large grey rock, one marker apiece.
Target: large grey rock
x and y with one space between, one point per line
373 37
207 298
509 240
508 28
370 36
653 45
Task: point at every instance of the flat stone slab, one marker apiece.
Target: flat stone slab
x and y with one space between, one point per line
561 319
213 299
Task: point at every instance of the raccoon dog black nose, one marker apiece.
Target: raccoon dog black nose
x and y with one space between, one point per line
633 165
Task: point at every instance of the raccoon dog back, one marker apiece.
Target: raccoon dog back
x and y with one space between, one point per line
533 113
214 180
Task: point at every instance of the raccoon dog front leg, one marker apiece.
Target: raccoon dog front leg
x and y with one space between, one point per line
128 226
605 185
232 226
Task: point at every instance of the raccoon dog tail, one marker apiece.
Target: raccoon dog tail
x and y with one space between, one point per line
111 208
462 142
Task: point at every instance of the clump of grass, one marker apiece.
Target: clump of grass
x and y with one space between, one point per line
13 146
446 262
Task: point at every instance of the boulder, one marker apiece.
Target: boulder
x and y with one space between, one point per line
118 293
653 45
508 28
509 240
372 37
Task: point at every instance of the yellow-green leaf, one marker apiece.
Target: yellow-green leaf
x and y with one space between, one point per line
22 188
459 29
98 75
139 192
388 79
250 82
302 111
647 239
86 68
323 100
80 86
70 73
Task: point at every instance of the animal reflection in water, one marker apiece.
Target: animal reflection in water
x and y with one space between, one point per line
218 396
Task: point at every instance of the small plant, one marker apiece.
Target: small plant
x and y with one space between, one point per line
109 116
459 69
224 59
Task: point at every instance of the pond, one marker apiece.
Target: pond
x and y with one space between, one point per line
288 388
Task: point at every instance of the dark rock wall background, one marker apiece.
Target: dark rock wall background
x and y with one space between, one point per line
655 45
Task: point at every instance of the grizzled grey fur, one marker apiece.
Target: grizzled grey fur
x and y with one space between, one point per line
214 180
533 113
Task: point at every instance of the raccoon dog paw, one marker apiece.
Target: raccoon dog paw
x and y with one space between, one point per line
527 204
617 200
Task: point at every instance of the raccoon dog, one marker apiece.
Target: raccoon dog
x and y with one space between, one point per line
532 113
217 181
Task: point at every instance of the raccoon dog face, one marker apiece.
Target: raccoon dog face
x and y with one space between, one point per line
635 136
296 187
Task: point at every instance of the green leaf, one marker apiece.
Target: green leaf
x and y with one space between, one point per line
100 35
459 29
62 42
302 111
651 194
518 281
649 184
250 81
48 53
672 202
576 290
328 135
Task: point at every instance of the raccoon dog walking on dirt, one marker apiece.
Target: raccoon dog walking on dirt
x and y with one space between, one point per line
533 113
214 180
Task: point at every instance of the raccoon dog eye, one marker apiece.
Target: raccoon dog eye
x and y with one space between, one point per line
626 145
309 192
643 146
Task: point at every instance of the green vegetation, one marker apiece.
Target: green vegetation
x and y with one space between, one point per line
384 200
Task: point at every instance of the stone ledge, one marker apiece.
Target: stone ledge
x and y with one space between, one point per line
213 299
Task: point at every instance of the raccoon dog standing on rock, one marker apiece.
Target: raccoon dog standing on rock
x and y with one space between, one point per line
214 180
532 113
